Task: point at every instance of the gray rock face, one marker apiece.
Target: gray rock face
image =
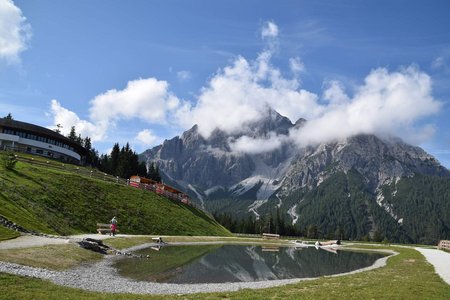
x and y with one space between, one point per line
378 160
209 164
205 163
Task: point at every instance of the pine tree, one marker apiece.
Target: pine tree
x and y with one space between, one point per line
72 135
114 159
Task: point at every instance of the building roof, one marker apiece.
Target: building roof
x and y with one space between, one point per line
42 131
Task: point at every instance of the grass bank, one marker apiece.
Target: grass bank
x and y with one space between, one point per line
406 276
59 201
7 234
54 257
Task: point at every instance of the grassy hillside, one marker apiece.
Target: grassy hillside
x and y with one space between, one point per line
57 201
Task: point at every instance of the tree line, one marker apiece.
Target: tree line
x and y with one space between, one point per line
274 223
122 161
270 223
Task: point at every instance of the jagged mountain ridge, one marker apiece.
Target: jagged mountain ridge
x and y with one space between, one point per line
259 183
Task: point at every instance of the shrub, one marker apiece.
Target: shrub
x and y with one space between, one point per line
9 160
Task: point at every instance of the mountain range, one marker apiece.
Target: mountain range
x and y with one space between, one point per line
360 186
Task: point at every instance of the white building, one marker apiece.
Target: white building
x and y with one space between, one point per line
33 139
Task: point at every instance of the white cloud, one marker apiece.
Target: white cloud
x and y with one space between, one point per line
239 94
296 65
251 145
438 63
147 137
146 99
67 119
388 103
269 30
15 32
184 75
335 94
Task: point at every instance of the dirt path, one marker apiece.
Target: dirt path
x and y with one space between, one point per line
440 260
27 241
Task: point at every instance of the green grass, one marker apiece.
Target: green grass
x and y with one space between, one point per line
55 257
62 202
7 234
406 276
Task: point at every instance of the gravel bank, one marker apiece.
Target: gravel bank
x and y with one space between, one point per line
102 277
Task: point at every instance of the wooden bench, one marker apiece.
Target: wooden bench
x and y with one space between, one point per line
270 236
103 228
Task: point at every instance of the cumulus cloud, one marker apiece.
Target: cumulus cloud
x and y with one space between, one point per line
67 118
388 103
334 93
146 99
15 32
239 94
147 137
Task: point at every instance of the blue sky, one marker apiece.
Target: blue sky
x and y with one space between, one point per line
143 71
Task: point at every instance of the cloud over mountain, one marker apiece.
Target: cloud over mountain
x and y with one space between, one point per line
386 103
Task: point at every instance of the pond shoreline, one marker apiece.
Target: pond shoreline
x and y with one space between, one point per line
102 277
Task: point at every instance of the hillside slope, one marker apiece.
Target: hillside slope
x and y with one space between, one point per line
61 202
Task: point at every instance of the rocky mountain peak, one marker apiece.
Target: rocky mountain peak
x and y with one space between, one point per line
210 171
300 123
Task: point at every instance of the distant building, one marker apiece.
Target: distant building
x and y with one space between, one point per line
33 139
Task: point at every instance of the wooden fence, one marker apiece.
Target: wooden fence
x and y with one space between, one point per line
444 245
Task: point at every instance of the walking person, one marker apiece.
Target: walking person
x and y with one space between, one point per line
113 226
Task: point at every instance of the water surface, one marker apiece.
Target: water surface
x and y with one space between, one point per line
239 263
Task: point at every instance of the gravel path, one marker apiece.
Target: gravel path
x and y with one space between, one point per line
440 260
27 241
102 277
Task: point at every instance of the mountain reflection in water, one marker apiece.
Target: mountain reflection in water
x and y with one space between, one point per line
235 263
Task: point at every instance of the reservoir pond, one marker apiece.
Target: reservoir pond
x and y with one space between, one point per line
239 263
